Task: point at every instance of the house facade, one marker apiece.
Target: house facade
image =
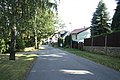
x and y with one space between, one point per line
79 35
57 37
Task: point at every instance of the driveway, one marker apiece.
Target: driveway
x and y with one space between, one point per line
55 64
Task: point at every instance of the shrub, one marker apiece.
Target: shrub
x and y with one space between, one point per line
68 40
60 41
2 46
30 42
20 44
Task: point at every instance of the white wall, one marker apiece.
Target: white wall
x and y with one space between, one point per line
81 36
74 37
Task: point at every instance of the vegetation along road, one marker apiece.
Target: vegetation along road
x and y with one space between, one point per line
55 64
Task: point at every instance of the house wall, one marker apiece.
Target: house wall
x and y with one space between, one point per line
74 37
81 36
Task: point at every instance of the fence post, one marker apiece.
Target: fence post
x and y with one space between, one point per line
92 44
106 44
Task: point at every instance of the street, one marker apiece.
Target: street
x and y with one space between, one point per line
55 64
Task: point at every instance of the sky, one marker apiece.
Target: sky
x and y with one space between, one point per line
78 13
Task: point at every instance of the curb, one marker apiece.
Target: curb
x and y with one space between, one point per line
29 69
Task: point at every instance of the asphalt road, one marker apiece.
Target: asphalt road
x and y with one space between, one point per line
55 64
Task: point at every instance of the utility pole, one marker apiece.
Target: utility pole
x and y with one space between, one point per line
70 34
70 26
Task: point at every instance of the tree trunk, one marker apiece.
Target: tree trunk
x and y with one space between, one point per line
13 42
36 47
35 31
35 37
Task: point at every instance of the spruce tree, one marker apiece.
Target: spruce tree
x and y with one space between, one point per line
100 20
116 18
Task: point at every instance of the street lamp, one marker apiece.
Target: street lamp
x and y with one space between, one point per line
70 26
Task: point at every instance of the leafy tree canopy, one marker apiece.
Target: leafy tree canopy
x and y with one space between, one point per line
25 19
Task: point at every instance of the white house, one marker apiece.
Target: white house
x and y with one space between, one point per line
61 34
79 35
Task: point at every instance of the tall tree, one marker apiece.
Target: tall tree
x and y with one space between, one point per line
59 24
45 5
44 24
15 15
116 18
4 29
100 20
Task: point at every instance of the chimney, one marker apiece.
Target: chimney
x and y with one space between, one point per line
84 26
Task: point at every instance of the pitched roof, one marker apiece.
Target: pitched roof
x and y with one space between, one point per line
76 31
64 34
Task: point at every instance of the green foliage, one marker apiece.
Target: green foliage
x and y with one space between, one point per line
20 44
100 20
68 40
65 42
44 24
116 18
60 41
2 46
29 17
59 24
29 42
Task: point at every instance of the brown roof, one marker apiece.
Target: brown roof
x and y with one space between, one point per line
76 31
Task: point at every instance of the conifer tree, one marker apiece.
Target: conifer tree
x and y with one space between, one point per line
116 18
100 20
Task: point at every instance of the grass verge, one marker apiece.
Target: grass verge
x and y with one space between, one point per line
15 70
108 61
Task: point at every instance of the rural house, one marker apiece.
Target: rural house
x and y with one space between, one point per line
59 37
78 36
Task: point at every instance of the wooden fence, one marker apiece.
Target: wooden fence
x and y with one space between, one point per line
110 40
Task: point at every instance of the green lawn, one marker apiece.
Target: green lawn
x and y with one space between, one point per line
15 70
108 61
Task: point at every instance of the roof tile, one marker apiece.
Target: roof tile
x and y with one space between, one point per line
76 31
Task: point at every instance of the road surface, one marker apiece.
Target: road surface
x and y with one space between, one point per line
55 64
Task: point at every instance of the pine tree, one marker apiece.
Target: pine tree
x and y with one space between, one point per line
100 20
116 18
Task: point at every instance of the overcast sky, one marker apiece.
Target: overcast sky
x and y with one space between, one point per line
79 12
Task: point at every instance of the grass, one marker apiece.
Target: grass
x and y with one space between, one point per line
112 62
15 70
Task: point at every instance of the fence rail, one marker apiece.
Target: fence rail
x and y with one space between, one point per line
110 40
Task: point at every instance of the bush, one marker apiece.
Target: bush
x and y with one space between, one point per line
30 42
20 44
2 46
67 42
60 41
